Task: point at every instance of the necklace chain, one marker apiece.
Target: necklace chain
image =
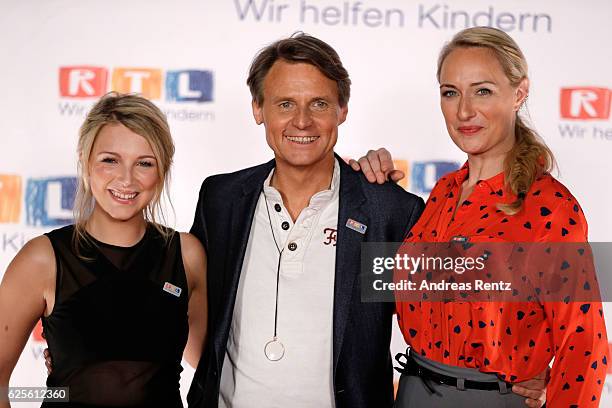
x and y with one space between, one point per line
280 254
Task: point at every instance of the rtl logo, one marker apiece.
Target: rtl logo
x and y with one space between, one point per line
38 341
180 86
48 201
426 174
421 176
37 333
585 103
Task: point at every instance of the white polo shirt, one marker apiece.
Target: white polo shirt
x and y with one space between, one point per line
303 377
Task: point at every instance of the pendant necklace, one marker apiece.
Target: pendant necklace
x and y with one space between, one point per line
274 349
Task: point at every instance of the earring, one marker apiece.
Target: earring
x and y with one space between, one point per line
523 104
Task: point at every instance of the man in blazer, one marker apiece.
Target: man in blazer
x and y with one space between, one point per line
314 203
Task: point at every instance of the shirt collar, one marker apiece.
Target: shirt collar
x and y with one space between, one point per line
494 183
317 201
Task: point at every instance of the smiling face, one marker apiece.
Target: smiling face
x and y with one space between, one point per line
123 173
478 102
301 114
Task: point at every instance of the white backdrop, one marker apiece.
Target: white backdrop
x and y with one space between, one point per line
191 57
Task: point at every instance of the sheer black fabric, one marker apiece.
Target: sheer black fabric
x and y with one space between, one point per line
115 335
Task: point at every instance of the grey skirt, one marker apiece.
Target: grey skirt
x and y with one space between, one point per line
414 391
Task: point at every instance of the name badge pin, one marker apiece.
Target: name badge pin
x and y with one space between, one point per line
356 226
172 289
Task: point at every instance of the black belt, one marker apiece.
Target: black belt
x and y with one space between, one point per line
411 367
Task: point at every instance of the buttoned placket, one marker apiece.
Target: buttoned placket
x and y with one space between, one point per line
295 237
447 220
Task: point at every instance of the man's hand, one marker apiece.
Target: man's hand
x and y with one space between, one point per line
534 389
377 166
48 361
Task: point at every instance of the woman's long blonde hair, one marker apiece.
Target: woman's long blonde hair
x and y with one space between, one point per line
141 117
530 157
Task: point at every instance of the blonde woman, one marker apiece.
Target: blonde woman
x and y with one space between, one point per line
122 298
463 354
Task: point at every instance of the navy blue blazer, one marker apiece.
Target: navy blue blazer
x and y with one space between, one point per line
362 367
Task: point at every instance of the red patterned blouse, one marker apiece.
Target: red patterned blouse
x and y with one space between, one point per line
515 340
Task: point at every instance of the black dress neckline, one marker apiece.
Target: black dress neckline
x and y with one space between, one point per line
120 247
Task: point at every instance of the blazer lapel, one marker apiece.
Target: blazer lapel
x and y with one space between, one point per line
242 213
348 250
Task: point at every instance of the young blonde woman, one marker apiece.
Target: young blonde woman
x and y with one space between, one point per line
465 355
122 298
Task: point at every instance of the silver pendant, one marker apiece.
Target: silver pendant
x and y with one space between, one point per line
274 350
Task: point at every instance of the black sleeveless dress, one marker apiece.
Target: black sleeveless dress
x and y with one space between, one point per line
119 325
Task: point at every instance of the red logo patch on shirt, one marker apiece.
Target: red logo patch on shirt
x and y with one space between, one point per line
330 236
